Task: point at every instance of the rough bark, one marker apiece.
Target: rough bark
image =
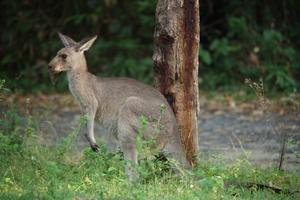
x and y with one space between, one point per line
175 58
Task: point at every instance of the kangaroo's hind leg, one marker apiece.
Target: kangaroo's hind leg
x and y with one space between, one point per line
175 150
128 123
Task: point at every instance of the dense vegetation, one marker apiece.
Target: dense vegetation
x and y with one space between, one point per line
240 39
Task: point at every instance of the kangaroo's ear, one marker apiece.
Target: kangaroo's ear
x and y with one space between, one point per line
86 43
66 40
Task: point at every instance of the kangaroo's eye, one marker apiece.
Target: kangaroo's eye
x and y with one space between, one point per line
64 56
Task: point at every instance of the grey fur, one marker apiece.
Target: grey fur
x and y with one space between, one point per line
118 104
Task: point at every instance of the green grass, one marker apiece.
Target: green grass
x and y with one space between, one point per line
43 173
29 170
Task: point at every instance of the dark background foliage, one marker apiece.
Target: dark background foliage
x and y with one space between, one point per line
240 39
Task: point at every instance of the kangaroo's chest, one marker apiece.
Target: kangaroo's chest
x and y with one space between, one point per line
78 89
75 91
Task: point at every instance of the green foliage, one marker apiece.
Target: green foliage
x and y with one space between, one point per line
231 35
252 43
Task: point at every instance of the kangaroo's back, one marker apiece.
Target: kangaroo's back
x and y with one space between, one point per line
119 89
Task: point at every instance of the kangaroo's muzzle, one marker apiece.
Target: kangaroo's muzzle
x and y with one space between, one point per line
52 73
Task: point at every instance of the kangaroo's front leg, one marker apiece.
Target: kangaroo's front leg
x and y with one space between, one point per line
90 133
90 113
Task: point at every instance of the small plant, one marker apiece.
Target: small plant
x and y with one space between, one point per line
292 145
150 165
258 88
145 145
2 82
264 104
68 141
141 143
3 89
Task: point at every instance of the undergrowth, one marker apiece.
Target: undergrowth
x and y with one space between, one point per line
30 170
40 172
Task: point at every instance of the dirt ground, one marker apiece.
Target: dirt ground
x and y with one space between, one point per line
227 128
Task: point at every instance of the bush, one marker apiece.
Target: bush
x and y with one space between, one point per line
260 40
248 53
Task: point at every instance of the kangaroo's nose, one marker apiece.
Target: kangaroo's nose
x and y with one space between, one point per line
50 67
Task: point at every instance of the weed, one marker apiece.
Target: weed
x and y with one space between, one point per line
278 128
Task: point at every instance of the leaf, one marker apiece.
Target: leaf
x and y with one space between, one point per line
88 180
205 56
111 169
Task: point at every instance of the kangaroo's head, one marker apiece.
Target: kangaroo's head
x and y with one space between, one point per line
71 57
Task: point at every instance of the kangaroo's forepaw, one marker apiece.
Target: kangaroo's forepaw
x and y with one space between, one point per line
95 147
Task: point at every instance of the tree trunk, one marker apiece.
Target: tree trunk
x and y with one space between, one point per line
175 58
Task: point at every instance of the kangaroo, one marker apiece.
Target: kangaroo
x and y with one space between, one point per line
118 104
